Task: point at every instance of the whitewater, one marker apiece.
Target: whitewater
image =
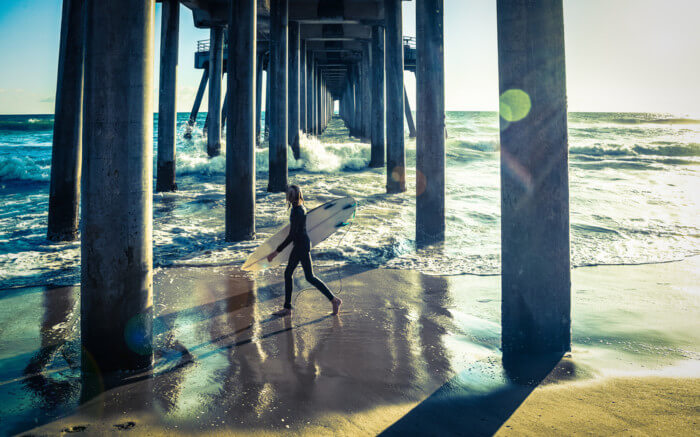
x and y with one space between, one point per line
633 192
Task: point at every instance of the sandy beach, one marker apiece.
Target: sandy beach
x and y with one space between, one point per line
408 352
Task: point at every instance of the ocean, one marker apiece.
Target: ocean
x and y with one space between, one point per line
634 196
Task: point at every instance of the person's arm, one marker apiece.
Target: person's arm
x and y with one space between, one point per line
295 228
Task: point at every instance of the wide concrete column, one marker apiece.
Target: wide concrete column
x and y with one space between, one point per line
395 151
167 116
302 86
116 309
240 135
64 192
279 14
197 102
535 261
430 114
293 75
216 61
377 67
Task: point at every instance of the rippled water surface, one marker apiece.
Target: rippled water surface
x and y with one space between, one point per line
633 187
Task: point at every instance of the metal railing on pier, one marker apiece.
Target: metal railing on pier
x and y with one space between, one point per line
202 45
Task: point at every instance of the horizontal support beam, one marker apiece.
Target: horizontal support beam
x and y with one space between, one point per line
346 30
334 38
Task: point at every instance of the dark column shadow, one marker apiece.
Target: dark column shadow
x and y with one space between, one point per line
462 406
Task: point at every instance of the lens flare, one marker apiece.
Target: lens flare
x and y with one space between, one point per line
514 105
138 334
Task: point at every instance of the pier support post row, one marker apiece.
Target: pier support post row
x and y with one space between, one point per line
378 139
395 152
293 88
277 176
64 192
167 117
216 61
240 135
116 309
430 113
197 102
536 276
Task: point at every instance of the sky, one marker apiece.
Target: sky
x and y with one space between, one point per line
621 55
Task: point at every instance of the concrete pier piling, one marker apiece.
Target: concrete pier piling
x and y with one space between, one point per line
302 86
409 115
267 101
116 309
216 58
395 152
357 88
240 141
430 106
293 88
64 191
317 102
167 115
197 102
279 15
224 110
309 93
367 93
378 139
258 94
536 284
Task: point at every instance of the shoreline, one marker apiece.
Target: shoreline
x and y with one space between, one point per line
330 265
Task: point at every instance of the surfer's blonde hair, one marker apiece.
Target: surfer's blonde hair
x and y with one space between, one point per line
294 196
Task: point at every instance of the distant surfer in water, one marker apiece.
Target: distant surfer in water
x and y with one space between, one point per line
301 253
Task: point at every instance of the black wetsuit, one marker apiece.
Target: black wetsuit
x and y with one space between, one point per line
301 252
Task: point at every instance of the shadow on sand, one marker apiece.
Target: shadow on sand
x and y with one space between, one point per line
464 405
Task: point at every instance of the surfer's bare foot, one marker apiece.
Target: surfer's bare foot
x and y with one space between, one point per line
283 312
336 305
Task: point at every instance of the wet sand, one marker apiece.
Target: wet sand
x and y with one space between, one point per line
408 353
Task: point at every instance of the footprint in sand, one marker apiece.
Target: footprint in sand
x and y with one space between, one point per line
124 426
72 429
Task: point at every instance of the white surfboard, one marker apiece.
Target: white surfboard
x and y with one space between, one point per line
321 222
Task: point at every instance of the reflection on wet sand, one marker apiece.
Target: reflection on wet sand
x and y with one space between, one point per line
39 356
408 353
284 372
223 362
57 327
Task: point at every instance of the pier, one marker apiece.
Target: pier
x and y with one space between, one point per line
317 54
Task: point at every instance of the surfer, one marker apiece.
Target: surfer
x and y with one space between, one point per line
301 253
